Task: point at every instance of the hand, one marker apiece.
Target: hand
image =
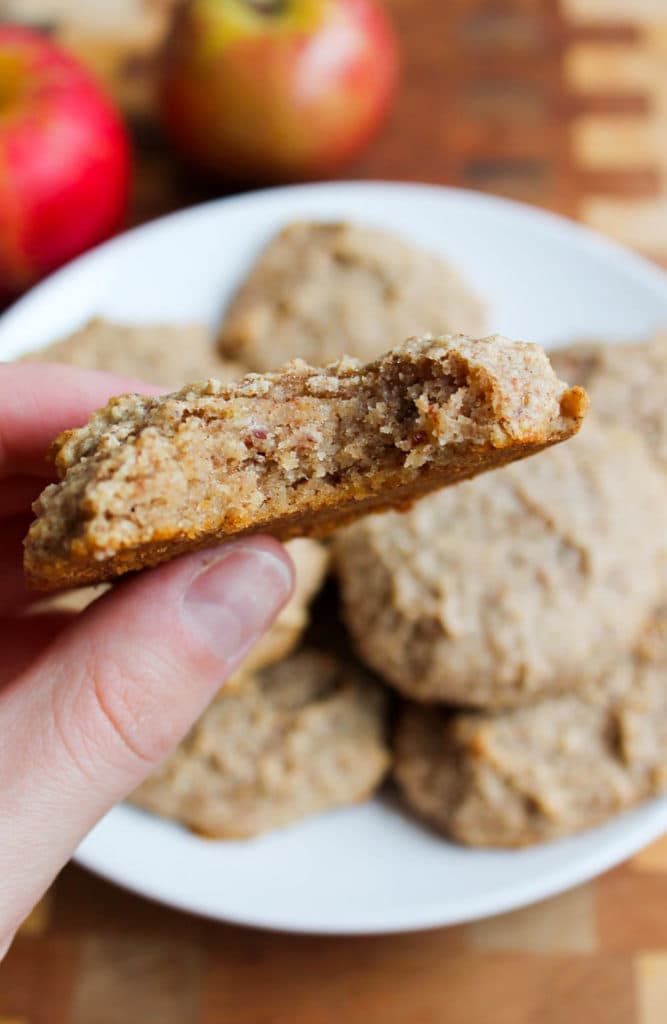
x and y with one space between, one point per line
90 703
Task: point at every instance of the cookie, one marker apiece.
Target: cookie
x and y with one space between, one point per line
294 453
302 737
161 354
168 356
537 773
320 291
614 375
516 585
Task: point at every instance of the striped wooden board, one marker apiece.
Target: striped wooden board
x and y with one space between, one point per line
559 102
93 954
562 103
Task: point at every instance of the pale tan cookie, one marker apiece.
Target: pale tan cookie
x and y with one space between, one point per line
515 585
167 355
322 290
304 736
296 453
627 384
533 774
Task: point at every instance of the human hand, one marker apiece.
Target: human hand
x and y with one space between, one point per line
90 703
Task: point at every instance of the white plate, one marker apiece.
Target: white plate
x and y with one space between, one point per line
368 869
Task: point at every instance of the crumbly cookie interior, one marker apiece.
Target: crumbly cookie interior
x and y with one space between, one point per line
219 458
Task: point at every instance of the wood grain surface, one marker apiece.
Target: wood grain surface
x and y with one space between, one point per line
562 103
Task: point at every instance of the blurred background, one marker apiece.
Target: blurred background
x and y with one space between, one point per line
560 103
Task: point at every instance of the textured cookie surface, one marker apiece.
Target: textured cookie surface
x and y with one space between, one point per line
518 584
320 291
169 356
293 453
304 736
166 355
627 384
533 774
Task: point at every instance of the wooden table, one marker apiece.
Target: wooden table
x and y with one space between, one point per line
562 103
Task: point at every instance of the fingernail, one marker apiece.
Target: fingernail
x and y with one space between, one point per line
234 598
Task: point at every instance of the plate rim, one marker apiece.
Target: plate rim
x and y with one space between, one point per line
575 872
604 246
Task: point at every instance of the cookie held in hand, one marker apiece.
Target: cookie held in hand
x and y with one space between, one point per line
293 453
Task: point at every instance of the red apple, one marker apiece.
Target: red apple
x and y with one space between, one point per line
64 159
276 90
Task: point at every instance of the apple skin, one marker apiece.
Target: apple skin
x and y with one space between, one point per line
260 91
64 160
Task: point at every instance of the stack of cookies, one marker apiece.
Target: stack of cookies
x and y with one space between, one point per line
509 634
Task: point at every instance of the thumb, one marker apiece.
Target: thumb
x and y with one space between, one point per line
111 696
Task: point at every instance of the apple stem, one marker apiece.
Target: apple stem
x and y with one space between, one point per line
268 7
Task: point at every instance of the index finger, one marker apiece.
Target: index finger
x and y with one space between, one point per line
39 400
